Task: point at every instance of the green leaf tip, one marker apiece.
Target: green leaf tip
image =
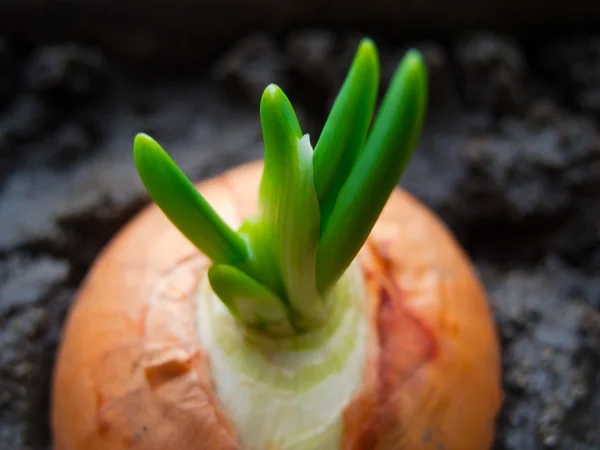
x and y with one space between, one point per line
281 132
181 202
276 108
346 127
385 155
289 204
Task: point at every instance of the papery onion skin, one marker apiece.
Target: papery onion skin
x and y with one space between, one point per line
131 374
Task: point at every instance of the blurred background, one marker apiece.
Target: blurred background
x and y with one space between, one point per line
509 158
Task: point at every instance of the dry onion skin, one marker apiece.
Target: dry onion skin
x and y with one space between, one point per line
300 302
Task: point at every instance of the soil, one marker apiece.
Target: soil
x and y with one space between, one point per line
510 159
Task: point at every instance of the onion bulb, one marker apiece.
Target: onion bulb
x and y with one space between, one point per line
303 301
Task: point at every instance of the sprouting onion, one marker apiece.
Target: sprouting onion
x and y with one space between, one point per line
278 334
316 207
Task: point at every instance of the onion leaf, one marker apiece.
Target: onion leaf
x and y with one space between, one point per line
290 202
345 131
281 132
316 208
248 300
181 202
386 153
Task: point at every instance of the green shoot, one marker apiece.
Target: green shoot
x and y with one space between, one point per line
281 132
377 170
180 201
346 128
290 206
248 300
316 209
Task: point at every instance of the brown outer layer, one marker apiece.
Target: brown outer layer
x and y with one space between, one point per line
131 373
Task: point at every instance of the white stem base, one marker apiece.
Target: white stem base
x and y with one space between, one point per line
288 393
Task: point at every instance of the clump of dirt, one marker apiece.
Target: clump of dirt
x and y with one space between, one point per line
548 319
510 159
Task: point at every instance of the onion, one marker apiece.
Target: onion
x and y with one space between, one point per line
342 313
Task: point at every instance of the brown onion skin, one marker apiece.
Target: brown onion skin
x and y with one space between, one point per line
131 374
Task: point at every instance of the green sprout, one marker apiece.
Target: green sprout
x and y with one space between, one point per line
316 208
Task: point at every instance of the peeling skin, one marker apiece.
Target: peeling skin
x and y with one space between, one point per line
434 379
397 330
168 371
132 374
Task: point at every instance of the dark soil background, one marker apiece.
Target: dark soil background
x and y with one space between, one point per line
510 159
